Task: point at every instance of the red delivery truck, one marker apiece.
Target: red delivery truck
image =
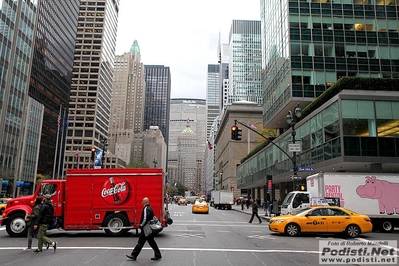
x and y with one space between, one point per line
95 199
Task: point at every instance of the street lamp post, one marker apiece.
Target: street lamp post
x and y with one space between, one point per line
291 120
221 180
105 145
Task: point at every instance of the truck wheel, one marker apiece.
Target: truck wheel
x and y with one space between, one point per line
115 223
386 226
16 225
292 229
352 230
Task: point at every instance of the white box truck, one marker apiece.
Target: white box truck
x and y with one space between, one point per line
373 194
222 199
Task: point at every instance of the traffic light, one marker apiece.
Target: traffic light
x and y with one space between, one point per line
234 132
239 134
302 187
93 153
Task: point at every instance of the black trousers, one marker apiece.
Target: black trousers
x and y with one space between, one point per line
140 243
252 217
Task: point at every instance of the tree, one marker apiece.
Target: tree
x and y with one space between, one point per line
138 165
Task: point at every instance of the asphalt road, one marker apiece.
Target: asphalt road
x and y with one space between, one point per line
222 237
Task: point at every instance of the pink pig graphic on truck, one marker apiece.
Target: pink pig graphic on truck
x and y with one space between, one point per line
386 192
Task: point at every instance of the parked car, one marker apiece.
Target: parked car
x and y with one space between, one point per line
3 204
322 219
200 206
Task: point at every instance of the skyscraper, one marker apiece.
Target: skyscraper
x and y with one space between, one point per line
186 115
15 68
36 73
245 62
157 98
51 77
309 45
127 106
90 102
212 95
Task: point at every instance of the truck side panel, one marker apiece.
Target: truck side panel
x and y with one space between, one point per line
372 194
91 195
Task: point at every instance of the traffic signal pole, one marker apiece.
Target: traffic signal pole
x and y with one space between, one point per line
290 157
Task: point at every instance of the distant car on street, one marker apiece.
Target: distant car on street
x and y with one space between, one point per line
200 206
322 219
182 201
3 204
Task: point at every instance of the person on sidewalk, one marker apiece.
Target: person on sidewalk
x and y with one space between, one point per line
254 211
43 222
146 216
31 220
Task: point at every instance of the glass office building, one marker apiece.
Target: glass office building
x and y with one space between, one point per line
308 45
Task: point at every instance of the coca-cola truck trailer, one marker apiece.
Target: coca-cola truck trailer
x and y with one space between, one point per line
95 199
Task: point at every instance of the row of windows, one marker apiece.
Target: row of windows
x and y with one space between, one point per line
352 64
344 39
347 5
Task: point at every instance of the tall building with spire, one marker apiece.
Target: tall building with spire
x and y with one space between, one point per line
187 170
90 101
127 106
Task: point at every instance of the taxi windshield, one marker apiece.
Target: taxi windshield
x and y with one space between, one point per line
302 211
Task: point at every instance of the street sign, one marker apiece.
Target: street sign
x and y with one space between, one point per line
303 169
294 147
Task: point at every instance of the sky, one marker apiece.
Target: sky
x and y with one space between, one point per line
182 35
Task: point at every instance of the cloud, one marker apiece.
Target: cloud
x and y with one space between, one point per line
182 35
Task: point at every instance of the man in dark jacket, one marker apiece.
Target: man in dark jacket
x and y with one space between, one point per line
146 216
31 220
254 211
43 222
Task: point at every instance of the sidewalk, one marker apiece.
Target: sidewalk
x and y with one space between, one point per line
248 211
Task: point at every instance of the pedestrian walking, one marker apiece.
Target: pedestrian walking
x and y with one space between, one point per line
43 222
146 216
254 211
31 220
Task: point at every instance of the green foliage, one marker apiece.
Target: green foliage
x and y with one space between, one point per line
138 165
351 83
40 177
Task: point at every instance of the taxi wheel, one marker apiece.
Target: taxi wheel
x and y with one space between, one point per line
292 229
352 230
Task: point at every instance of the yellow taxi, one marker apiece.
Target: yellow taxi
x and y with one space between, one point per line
3 204
200 206
322 219
182 201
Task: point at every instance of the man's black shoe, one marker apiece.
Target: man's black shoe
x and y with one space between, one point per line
131 257
156 258
37 251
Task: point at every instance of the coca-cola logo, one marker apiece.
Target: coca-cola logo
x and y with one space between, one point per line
115 190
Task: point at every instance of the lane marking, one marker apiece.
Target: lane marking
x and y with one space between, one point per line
183 249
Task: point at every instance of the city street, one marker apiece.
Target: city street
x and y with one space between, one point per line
222 237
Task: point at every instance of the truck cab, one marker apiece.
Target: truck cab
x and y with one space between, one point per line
14 215
295 201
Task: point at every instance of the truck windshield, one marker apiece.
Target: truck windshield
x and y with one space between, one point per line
47 189
288 199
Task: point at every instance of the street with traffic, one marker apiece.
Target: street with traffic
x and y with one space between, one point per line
220 237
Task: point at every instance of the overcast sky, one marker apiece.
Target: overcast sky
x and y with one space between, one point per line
181 34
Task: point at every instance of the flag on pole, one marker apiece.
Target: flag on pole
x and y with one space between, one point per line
59 121
209 145
252 126
76 154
